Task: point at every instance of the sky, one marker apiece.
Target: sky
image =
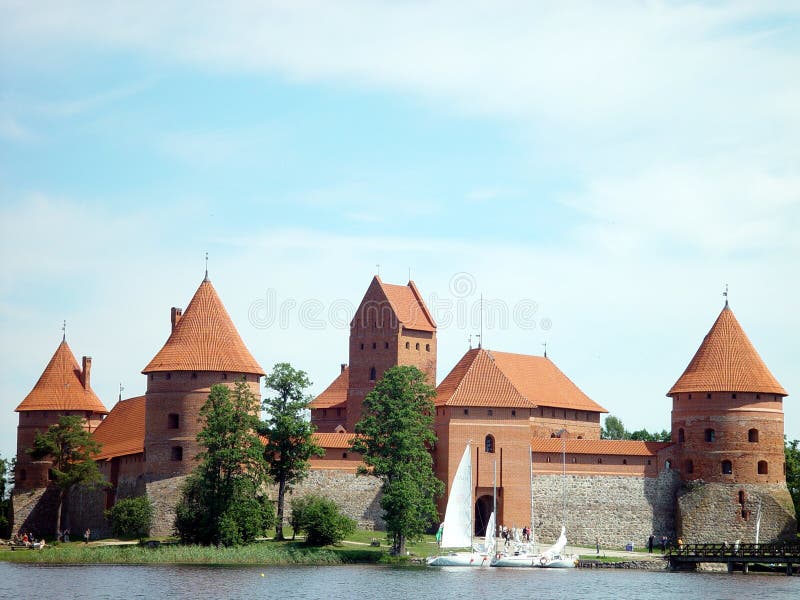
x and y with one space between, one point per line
598 172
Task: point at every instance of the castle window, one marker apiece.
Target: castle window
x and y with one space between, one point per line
574 460
151 376
194 375
23 475
758 396
490 412
741 497
416 346
168 376
752 435
173 421
580 437
466 411
548 459
599 461
763 467
372 374
681 436
374 345
690 396
344 454
708 396
733 396
488 444
427 347
711 435
362 346
624 461
513 413
745 514
177 453
408 345
386 345
649 462
224 375
727 467
689 467
667 465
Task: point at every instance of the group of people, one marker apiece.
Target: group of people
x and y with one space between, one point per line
515 535
664 543
27 540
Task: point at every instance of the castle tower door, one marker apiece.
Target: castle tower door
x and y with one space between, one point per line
483 510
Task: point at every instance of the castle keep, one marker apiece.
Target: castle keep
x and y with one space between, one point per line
534 434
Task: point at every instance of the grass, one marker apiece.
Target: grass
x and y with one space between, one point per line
355 550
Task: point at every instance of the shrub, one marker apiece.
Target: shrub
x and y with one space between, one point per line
321 520
131 517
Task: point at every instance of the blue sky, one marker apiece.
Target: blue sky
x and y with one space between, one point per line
597 173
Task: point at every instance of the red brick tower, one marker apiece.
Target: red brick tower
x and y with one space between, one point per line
63 389
392 326
203 349
727 433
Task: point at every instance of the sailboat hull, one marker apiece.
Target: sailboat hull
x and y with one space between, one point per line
460 559
516 560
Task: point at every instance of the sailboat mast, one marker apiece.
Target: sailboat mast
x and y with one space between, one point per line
530 484
564 480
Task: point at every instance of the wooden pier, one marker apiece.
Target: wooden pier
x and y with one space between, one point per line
738 557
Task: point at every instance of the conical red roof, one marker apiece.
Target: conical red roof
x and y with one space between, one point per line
61 387
205 339
727 362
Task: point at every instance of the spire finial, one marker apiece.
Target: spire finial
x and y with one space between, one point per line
206 277
545 349
725 294
64 331
480 337
409 273
121 389
470 341
378 270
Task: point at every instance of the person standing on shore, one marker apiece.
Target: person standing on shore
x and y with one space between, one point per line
650 543
597 544
86 535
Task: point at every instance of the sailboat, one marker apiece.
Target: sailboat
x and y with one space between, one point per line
457 526
554 557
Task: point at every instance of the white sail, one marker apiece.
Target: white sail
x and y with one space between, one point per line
559 546
457 532
489 541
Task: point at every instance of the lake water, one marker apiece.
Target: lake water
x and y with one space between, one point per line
364 582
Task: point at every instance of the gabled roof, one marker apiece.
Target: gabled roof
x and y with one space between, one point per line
60 387
122 431
726 361
407 304
335 395
503 379
334 440
205 339
615 447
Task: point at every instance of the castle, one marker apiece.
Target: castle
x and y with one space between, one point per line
534 435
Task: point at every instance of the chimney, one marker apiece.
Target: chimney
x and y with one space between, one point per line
175 316
87 371
344 366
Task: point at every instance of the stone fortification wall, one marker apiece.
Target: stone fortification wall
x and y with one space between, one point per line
717 512
613 509
358 496
164 494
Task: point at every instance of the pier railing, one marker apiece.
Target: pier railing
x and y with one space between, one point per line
688 555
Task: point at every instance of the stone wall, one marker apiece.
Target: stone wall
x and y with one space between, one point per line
613 509
717 512
358 496
164 494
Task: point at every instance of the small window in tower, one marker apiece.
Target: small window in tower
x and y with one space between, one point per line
599 461
727 467
752 435
711 435
374 345
708 396
763 467
667 465
173 421
689 467
362 346
466 411
580 437
488 444
344 454
513 413
169 375
574 460
386 345
624 461
151 376
177 453
758 396
490 412
733 396
681 436
741 497
548 459
194 375
408 345
416 346
224 375
372 374
427 347
649 462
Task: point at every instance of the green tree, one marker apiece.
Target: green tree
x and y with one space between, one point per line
645 436
70 447
792 454
222 501
5 502
395 435
613 429
321 520
131 517
289 436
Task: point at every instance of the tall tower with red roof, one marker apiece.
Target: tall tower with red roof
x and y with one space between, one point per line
727 434
392 326
64 388
203 349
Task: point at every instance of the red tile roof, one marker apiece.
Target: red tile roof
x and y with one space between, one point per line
334 440
489 378
607 447
60 387
122 431
726 361
335 395
408 305
205 339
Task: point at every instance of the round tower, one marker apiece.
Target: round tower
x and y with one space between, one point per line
203 349
727 433
63 389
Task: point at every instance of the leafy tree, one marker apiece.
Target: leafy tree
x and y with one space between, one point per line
221 502
71 448
792 454
5 503
289 436
395 435
645 436
131 517
613 429
296 519
321 520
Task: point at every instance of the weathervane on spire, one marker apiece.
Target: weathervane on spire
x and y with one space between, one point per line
725 294
64 331
545 349
121 389
378 270
206 277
